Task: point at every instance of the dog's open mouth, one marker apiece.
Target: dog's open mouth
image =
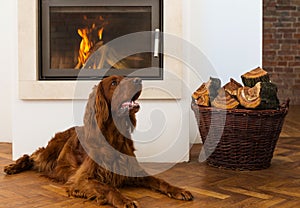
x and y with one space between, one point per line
128 106
131 105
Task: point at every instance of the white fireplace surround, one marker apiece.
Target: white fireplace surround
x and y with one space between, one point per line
30 88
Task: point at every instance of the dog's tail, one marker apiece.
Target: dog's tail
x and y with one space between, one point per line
22 164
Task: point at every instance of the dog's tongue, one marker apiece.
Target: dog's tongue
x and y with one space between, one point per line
130 104
127 106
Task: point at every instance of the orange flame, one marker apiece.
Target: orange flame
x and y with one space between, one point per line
86 43
100 32
85 46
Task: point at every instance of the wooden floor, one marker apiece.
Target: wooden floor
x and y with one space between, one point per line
278 186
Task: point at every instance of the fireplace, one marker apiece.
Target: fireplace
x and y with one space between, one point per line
86 39
32 87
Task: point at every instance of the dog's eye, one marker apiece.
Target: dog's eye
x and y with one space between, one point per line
114 83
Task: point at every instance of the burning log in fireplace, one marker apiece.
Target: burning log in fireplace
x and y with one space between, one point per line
92 44
102 56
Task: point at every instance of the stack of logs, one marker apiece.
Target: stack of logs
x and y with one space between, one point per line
258 92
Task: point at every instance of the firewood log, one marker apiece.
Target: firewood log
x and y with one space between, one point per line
232 87
207 92
201 96
102 56
262 96
256 75
213 85
224 100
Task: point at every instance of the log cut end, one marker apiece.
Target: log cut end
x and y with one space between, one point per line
225 101
262 96
256 75
232 87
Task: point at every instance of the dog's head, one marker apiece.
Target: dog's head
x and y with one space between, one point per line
121 94
113 96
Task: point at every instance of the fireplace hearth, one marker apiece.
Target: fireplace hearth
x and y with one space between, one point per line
72 32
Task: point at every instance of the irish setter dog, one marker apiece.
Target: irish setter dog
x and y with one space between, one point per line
96 159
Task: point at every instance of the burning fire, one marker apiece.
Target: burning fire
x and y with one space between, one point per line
88 42
100 32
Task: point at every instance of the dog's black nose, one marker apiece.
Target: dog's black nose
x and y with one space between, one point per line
137 81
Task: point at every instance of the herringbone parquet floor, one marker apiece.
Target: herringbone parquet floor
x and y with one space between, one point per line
277 186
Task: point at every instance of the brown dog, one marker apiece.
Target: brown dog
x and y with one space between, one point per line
97 158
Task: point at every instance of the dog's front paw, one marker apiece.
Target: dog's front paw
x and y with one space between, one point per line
181 194
22 164
131 204
10 169
127 203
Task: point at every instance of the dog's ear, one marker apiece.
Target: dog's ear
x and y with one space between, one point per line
101 107
96 112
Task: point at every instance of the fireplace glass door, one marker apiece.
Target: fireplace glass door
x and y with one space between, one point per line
90 39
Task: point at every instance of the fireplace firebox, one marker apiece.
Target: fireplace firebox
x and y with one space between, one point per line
87 39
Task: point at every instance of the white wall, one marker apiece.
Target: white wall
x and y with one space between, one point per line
8 60
227 34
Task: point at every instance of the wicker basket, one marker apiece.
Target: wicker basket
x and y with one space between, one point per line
239 139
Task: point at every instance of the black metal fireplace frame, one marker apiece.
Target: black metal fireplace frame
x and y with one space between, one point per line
46 73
